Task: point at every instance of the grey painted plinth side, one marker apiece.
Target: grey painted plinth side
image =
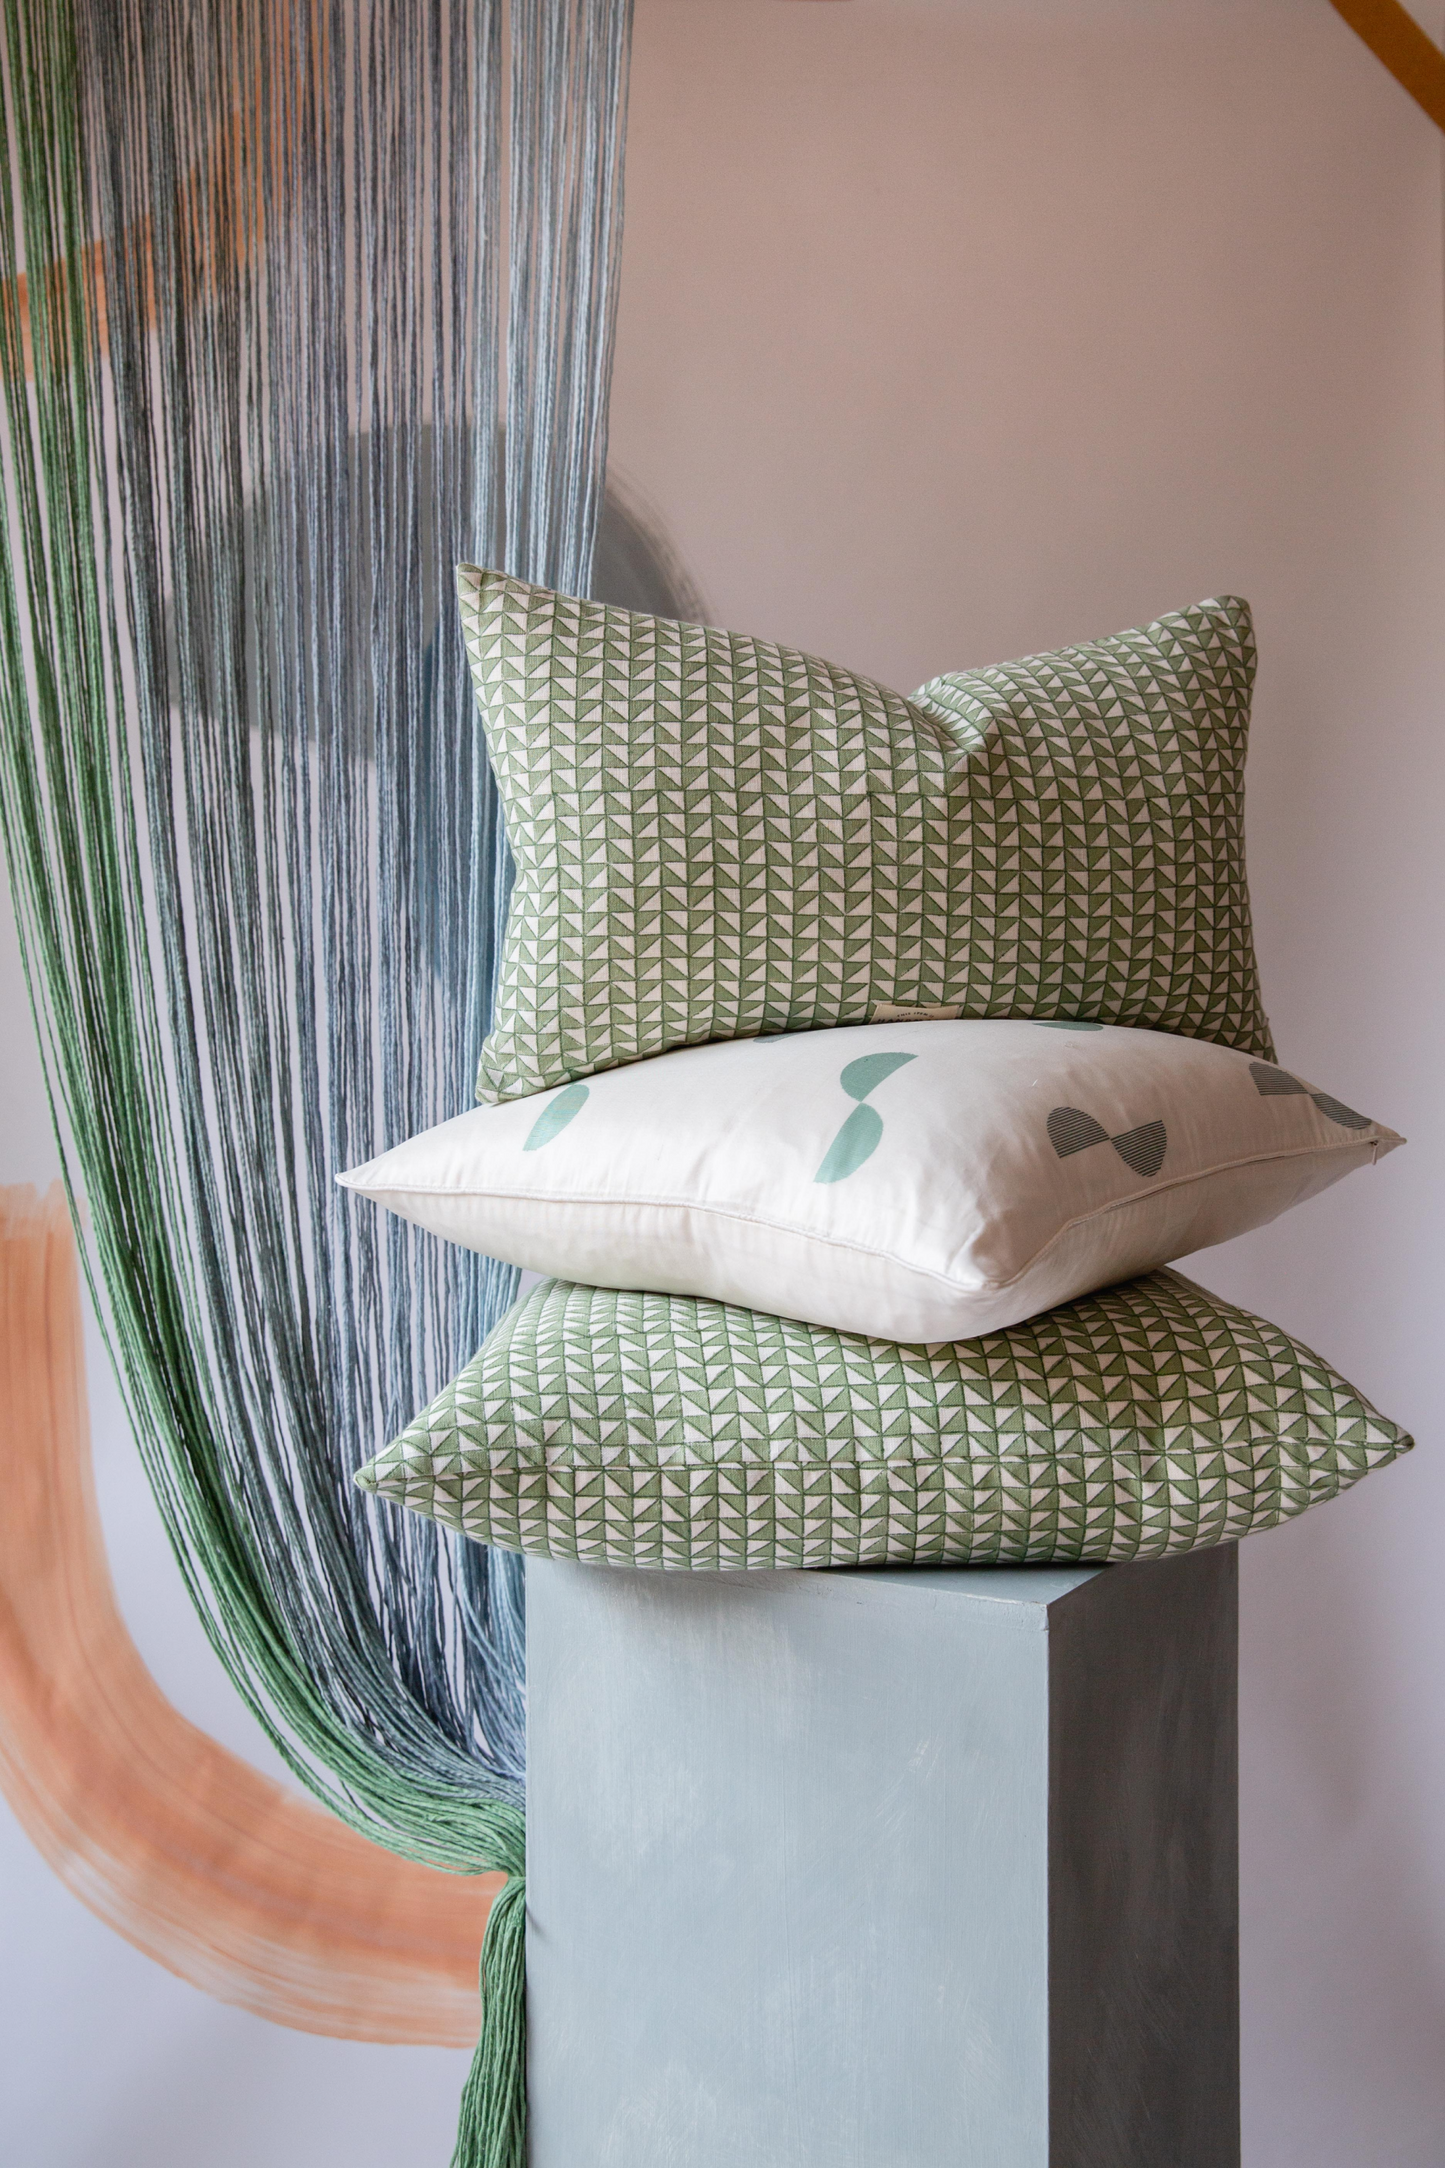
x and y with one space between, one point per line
929 1869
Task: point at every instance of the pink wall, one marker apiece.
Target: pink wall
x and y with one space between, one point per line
953 329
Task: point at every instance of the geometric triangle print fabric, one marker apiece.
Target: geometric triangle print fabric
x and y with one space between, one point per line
716 837
664 1431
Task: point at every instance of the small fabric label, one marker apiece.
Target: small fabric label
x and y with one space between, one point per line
889 1012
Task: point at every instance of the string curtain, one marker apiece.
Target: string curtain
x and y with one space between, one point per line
301 301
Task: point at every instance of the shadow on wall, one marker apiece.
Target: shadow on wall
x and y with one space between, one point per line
635 566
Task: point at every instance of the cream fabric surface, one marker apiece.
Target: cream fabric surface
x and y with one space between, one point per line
916 1181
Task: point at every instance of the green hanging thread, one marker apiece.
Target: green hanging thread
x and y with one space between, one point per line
492 2128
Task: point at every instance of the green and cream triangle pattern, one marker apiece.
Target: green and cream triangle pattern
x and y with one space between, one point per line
660 1430
716 837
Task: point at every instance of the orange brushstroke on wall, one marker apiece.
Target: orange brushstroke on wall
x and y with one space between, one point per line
221 202
223 1876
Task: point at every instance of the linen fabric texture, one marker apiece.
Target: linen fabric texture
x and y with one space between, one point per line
925 1181
662 1431
716 837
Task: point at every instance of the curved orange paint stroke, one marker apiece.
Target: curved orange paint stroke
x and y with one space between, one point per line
224 1877
220 199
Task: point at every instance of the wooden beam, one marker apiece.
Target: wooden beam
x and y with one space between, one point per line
1412 57
1394 36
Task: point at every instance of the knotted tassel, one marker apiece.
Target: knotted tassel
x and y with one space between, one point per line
492 2130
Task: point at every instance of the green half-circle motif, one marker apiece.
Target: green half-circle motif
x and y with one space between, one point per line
868 1072
857 1140
553 1119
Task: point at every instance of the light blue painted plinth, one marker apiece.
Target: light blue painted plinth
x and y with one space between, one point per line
931 1869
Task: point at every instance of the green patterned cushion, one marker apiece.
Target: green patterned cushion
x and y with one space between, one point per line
660 1430
715 837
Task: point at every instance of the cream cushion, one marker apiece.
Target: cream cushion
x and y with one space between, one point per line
915 1181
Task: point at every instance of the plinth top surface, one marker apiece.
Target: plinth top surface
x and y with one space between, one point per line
1032 1589
1035 1586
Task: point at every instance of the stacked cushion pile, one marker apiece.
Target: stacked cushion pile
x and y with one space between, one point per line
856 1063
